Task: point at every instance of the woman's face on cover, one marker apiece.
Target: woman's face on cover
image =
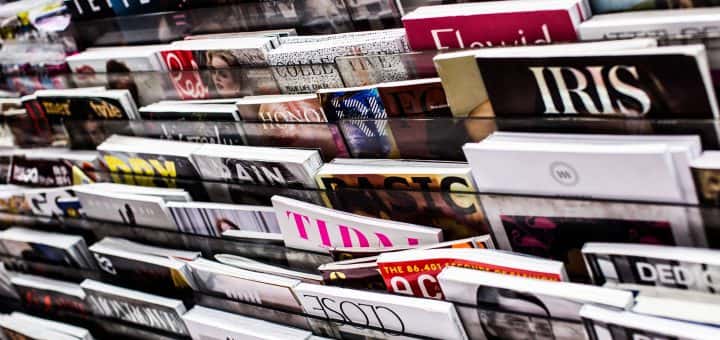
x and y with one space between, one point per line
223 78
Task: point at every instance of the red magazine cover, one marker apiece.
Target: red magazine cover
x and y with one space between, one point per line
414 272
477 26
184 75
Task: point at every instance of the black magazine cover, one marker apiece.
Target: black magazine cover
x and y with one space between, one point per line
640 86
57 108
153 164
561 238
51 301
142 275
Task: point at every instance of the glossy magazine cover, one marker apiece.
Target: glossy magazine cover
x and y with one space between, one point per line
352 104
627 86
148 164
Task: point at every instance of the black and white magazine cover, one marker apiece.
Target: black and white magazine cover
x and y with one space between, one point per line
493 305
604 323
654 269
206 323
130 209
283 167
245 285
135 307
149 267
389 316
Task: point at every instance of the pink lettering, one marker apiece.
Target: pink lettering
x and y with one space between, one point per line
299 223
347 240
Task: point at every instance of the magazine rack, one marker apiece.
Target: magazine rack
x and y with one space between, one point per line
548 227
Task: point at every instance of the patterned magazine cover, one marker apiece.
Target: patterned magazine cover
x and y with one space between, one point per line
372 69
352 104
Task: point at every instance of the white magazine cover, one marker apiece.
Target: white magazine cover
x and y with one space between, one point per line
259 267
603 323
212 219
130 209
655 269
168 194
684 149
43 283
30 330
311 227
245 285
63 328
6 285
392 316
704 312
485 299
576 169
681 23
113 59
211 324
